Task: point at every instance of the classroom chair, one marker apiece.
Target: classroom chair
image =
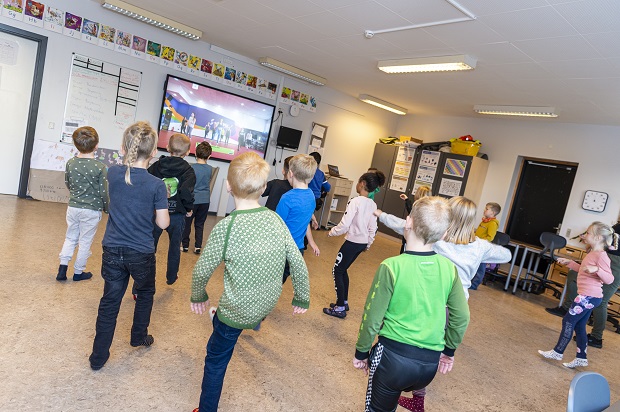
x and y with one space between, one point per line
588 392
493 272
551 243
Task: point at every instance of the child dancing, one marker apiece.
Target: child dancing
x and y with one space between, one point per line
360 226
595 269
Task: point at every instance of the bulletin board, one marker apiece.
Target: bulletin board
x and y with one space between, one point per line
101 95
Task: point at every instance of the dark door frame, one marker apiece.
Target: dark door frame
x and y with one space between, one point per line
35 95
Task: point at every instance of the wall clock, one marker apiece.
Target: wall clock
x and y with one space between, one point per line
594 201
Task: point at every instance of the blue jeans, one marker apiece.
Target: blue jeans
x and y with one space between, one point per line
118 263
175 233
478 277
575 321
219 351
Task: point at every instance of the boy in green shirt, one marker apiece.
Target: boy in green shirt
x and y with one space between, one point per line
406 307
254 243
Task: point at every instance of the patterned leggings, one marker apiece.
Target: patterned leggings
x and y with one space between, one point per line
575 321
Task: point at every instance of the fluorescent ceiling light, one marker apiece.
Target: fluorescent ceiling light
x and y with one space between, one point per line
529 111
382 104
428 64
151 18
292 71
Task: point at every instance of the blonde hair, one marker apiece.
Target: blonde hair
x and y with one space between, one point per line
422 191
85 139
139 141
430 218
247 176
607 234
496 208
303 167
178 144
463 222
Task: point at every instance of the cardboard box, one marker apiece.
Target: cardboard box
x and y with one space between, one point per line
410 139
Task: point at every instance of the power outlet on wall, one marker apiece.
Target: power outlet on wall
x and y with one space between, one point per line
568 232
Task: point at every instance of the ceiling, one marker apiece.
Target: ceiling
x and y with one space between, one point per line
561 53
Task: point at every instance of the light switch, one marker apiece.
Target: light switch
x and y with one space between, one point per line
51 125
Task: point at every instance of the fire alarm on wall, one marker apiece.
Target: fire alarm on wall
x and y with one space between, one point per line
294 111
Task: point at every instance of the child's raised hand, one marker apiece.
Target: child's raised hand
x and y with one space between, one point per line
361 364
298 311
403 196
199 307
445 363
563 261
377 212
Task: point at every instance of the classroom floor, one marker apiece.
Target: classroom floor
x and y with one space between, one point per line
300 363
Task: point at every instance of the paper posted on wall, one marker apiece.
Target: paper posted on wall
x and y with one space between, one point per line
68 127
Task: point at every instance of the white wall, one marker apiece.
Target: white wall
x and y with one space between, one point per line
354 127
595 148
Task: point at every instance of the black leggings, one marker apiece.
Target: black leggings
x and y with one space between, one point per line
347 254
394 368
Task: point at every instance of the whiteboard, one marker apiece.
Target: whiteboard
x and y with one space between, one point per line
101 95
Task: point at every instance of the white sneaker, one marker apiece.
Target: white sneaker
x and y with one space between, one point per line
212 311
551 354
576 363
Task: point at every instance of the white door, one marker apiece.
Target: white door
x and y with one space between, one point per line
17 64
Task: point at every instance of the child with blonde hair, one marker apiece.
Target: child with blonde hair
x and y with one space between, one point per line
463 248
360 226
406 307
595 269
128 244
254 244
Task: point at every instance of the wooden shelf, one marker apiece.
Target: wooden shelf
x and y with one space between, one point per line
340 190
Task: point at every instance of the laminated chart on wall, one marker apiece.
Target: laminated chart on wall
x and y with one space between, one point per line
402 168
101 95
427 169
450 187
455 167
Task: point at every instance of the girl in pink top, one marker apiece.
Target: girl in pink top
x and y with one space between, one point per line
593 272
360 224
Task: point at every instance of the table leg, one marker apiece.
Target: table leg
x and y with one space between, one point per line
514 289
512 266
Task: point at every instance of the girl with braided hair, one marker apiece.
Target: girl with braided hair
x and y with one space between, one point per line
128 246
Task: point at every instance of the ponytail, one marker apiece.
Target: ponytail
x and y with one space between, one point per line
373 180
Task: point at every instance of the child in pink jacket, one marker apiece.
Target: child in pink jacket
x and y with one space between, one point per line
593 272
360 226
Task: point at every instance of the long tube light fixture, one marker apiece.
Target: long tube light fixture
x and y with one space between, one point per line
151 18
527 111
428 64
383 104
292 71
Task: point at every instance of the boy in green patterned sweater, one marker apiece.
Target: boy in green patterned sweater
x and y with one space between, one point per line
254 243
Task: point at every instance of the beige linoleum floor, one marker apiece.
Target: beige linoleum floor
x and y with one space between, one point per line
300 363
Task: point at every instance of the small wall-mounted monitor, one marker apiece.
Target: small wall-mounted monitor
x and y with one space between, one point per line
289 138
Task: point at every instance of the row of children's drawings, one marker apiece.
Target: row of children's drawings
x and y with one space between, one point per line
78 27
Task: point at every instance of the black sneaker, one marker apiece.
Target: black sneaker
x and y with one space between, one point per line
82 276
62 273
333 305
341 314
147 341
557 311
197 250
592 341
184 249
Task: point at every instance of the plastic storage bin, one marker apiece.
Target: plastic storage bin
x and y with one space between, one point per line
463 147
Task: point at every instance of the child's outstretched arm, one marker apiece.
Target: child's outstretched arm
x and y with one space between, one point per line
395 223
299 275
210 259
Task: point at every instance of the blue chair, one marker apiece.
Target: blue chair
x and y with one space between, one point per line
589 392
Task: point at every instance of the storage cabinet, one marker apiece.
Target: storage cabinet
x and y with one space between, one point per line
335 203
